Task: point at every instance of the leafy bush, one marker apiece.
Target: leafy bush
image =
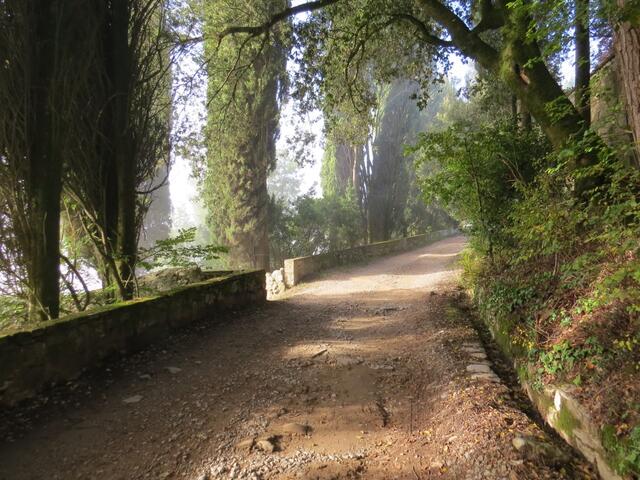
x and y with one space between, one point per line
179 251
475 172
13 313
311 225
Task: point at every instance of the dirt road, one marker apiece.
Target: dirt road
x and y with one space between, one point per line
368 372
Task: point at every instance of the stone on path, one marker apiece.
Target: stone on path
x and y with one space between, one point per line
265 445
476 349
173 370
245 445
479 368
490 377
133 399
478 355
295 429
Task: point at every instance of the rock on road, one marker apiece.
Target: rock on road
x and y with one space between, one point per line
367 372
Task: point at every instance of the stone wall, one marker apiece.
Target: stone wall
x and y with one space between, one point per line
62 349
555 403
296 269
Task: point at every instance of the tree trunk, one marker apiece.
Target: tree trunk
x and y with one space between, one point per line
583 61
45 169
524 117
540 93
627 47
514 111
123 148
518 64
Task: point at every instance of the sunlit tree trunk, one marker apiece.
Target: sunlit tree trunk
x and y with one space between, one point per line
627 47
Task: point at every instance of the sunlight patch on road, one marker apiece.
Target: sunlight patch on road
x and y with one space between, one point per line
438 255
365 285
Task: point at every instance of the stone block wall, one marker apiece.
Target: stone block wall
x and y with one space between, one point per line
62 349
296 269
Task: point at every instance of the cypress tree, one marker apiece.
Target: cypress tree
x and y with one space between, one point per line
246 83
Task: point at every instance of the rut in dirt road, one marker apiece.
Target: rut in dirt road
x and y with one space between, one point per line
367 372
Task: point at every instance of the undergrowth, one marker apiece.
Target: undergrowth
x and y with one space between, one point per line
558 279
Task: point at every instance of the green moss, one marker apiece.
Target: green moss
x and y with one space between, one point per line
623 453
89 314
541 400
566 422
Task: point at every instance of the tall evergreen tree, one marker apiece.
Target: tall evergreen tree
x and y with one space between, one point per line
245 88
42 69
126 133
390 179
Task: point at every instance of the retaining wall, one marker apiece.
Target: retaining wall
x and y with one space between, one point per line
296 269
555 403
61 350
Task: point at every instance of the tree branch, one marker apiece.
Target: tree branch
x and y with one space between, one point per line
424 31
462 37
278 17
491 17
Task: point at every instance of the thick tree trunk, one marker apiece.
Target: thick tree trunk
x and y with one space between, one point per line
583 61
627 47
43 186
540 94
378 214
124 156
518 64
524 117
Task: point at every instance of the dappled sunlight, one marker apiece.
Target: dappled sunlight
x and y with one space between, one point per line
364 285
355 323
438 255
327 350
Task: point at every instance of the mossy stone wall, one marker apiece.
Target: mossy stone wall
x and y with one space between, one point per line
61 350
296 269
555 403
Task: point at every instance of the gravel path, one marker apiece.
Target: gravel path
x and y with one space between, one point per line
369 372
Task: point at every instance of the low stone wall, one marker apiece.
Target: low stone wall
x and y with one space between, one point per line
61 350
557 406
296 269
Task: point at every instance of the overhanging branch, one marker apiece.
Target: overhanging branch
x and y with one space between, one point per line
464 39
491 17
423 30
254 31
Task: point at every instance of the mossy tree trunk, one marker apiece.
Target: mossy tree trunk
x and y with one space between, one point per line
41 235
125 159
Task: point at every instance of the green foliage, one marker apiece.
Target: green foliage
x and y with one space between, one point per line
13 313
246 82
476 173
313 225
472 265
285 180
624 453
562 357
179 251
